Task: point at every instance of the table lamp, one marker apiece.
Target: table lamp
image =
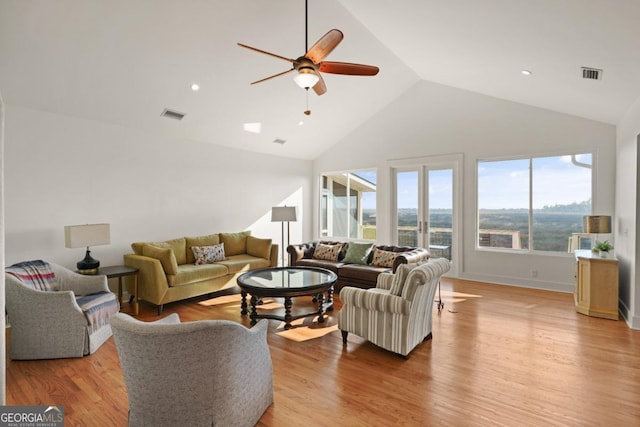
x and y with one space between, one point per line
283 214
78 236
596 224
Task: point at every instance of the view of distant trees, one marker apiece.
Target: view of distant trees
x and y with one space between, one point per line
552 225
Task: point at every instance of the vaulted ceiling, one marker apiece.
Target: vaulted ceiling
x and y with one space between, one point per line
123 62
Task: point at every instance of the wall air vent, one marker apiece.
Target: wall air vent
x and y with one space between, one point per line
279 141
591 73
173 114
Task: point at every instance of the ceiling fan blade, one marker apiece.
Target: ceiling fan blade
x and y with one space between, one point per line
324 46
319 88
348 68
274 76
293 61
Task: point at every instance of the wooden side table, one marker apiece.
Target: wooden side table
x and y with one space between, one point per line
596 292
121 271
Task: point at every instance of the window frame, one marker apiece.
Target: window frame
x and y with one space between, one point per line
530 158
321 204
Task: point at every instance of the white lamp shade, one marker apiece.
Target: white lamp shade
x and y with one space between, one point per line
283 214
306 78
79 236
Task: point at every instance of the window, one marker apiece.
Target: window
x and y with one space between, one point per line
348 205
533 203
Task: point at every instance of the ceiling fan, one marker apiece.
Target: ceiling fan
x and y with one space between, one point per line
311 64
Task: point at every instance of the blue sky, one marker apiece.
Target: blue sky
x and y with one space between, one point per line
440 189
502 184
556 181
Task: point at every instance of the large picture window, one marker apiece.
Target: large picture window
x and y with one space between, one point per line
533 203
348 205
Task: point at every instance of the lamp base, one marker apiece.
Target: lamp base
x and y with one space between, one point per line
88 265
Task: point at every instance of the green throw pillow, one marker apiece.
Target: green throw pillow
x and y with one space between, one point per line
164 255
357 253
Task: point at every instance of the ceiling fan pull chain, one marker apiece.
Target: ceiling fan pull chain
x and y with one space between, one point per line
307 111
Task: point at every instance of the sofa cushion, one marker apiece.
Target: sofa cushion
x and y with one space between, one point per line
166 257
235 243
358 273
383 258
191 273
208 240
260 248
179 247
244 262
357 253
310 262
208 254
327 252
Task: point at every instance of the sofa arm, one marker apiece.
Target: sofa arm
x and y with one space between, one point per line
411 257
374 301
297 252
273 256
152 280
80 284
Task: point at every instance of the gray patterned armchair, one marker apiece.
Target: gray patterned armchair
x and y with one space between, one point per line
56 313
396 314
201 373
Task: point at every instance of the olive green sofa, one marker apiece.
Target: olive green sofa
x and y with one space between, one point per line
167 271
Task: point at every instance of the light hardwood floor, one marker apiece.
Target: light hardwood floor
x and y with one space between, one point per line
500 356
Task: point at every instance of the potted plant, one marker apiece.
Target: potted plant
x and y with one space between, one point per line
604 248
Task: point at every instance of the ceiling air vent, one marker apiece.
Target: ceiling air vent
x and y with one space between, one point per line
279 141
173 114
591 73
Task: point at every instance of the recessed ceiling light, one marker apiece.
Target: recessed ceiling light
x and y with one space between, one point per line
253 127
195 87
526 72
300 123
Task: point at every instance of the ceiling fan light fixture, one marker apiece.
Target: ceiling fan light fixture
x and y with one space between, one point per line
306 77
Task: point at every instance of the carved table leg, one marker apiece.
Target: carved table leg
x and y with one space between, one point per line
254 312
243 304
330 299
287 313
320 308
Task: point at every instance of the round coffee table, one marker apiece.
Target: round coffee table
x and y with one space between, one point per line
287 282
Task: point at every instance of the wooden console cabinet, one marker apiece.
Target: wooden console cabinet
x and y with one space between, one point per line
596 292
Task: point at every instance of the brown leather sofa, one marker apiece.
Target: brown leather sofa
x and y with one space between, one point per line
358 275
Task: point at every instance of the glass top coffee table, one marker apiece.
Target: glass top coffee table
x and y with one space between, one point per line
287 282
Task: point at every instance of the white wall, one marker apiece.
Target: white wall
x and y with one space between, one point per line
62 171
2 301
627 213
431 119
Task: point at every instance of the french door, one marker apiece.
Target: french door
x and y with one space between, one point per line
426 206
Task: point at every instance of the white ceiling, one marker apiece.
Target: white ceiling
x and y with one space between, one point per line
124 61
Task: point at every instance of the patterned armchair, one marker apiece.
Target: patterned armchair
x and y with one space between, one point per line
396 314
206 372
56 313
